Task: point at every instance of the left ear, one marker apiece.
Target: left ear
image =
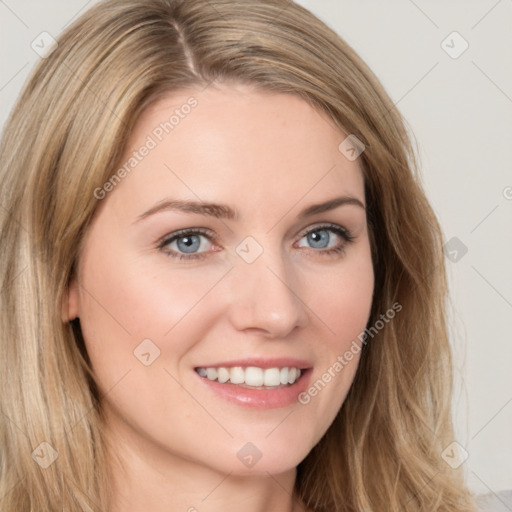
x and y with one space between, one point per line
70 306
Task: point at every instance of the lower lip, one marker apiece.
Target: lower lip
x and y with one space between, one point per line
259 398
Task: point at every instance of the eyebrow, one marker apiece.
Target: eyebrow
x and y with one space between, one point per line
222 211
331 205
219 211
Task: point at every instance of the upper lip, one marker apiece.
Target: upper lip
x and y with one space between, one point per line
261 362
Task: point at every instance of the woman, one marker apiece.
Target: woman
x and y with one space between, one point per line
222 283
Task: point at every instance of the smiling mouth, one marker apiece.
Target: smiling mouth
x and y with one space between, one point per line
252 377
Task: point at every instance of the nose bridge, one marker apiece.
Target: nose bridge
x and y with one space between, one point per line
264 296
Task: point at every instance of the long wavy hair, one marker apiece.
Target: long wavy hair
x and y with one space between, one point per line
65 138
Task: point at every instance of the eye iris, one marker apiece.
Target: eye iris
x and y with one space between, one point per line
189 243
318 239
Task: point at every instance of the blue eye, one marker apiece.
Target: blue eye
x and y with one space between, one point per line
319 239
186 244
326 238
197 243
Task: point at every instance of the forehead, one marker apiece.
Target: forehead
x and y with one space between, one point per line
236 143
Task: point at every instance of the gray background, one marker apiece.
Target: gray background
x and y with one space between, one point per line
460 110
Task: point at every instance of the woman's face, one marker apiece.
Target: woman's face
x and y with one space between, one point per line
234 246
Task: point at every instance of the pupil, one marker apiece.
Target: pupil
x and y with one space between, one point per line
188 243
319 239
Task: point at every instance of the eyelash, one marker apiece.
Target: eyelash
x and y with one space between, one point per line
343 233
180 234
333 228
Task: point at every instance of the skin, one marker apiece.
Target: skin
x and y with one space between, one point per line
268 157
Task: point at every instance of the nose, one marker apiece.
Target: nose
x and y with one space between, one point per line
266 298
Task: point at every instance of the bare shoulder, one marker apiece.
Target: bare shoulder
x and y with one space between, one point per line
495 502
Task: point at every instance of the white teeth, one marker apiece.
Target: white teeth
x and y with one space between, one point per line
252 375
271 377
222 375
237 375
211 373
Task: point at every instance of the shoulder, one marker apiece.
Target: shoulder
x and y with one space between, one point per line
495 502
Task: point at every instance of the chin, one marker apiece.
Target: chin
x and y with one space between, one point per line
262 457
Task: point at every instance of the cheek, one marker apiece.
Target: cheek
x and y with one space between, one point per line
343 308
126 301
345 300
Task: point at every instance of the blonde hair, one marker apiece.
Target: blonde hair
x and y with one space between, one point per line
65 138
